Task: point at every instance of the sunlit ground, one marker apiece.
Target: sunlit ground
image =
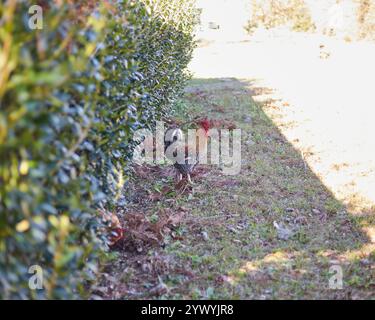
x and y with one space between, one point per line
324 106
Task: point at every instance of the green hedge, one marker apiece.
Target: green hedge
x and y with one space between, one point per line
71 96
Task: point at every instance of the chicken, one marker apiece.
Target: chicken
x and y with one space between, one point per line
186 162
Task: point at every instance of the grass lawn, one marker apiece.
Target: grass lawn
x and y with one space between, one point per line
273 231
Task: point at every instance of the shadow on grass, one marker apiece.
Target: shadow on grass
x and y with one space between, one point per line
274 231
282 229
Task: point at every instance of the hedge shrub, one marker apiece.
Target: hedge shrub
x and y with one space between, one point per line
71 96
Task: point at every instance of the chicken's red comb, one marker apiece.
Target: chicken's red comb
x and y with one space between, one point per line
205 124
